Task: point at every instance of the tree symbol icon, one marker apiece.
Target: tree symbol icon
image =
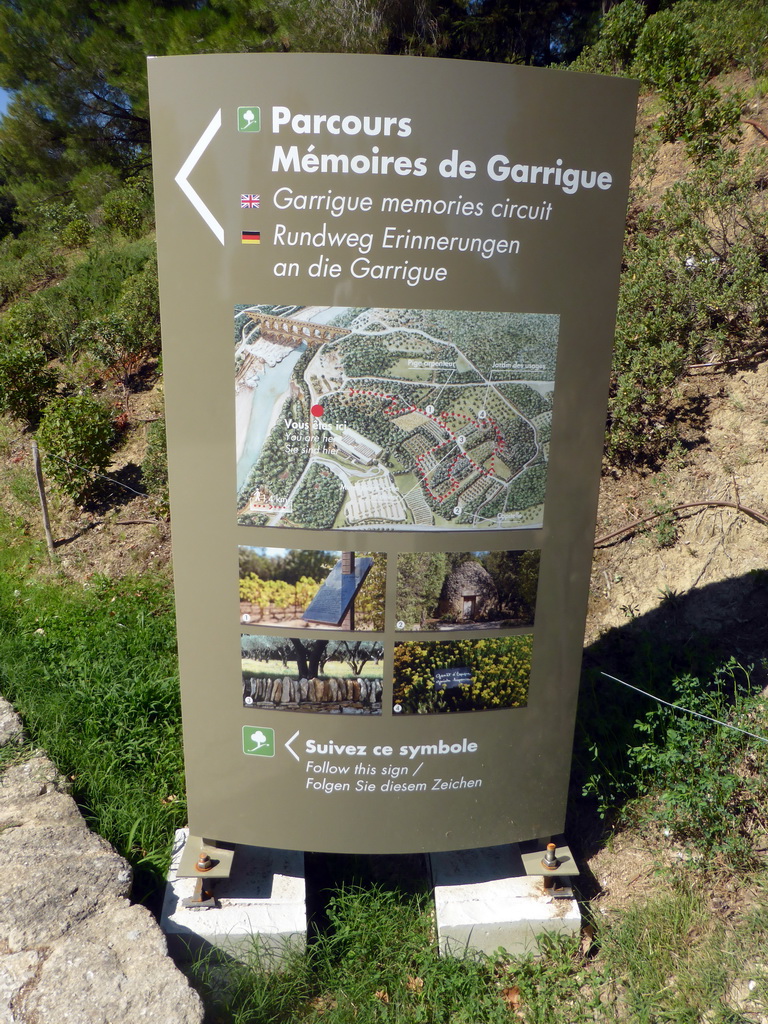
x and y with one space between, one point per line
258 739
248 119
260 742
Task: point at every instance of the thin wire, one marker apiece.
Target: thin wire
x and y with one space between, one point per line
679 707
68 462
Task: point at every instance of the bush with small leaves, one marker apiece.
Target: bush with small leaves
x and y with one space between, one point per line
28 265
140 305
76 435
77 233
732 35
129 209
110 339
46 320
614 50
668 55
709 781
670 58
25 265
26 382
694 289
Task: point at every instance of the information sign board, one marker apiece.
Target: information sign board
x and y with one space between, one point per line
388 292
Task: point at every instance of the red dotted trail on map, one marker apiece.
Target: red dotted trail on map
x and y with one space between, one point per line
266 508
393 410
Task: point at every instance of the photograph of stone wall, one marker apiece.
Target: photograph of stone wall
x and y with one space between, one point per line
320 676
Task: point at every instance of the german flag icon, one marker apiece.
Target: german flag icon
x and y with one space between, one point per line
250 237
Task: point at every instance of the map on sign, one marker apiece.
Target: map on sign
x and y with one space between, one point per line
378 418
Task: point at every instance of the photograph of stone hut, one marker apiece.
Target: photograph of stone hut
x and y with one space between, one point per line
469 593
477 590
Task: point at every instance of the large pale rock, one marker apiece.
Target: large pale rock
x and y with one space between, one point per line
10 724
113 968
73 949
16 971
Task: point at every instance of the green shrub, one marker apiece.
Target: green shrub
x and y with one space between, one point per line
694 287
614 50
140 305
670 58
26 382
77 233
703 783
47 320
117 348
129 209
710 786
654 339
10 278
732 35
76 434
128 334
96 283
704 119
27 264
116 282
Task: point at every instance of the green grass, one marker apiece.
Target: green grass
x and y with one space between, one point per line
331 670
92 671
15 753
666 959
376 963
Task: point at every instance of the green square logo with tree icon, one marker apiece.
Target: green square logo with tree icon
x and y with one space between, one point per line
248 119
258 741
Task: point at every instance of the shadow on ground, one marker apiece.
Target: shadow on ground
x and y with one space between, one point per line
694 634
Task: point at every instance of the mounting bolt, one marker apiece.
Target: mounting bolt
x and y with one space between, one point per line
550 861
204 862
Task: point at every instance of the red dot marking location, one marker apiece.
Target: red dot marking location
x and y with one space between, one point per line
317 410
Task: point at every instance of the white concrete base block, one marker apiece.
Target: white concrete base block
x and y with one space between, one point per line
484 900
262 905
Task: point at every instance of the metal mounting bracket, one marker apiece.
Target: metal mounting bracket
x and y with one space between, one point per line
207 861
556 865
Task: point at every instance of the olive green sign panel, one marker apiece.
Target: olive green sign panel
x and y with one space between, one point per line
388 291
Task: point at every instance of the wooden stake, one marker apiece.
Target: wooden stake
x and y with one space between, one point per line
43 502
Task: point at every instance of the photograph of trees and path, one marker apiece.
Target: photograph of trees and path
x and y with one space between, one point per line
466 589
301 589
443 676
342 677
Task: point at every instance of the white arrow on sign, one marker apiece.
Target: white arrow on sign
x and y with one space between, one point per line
290 748
188 166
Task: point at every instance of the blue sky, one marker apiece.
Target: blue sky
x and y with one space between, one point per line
3 100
